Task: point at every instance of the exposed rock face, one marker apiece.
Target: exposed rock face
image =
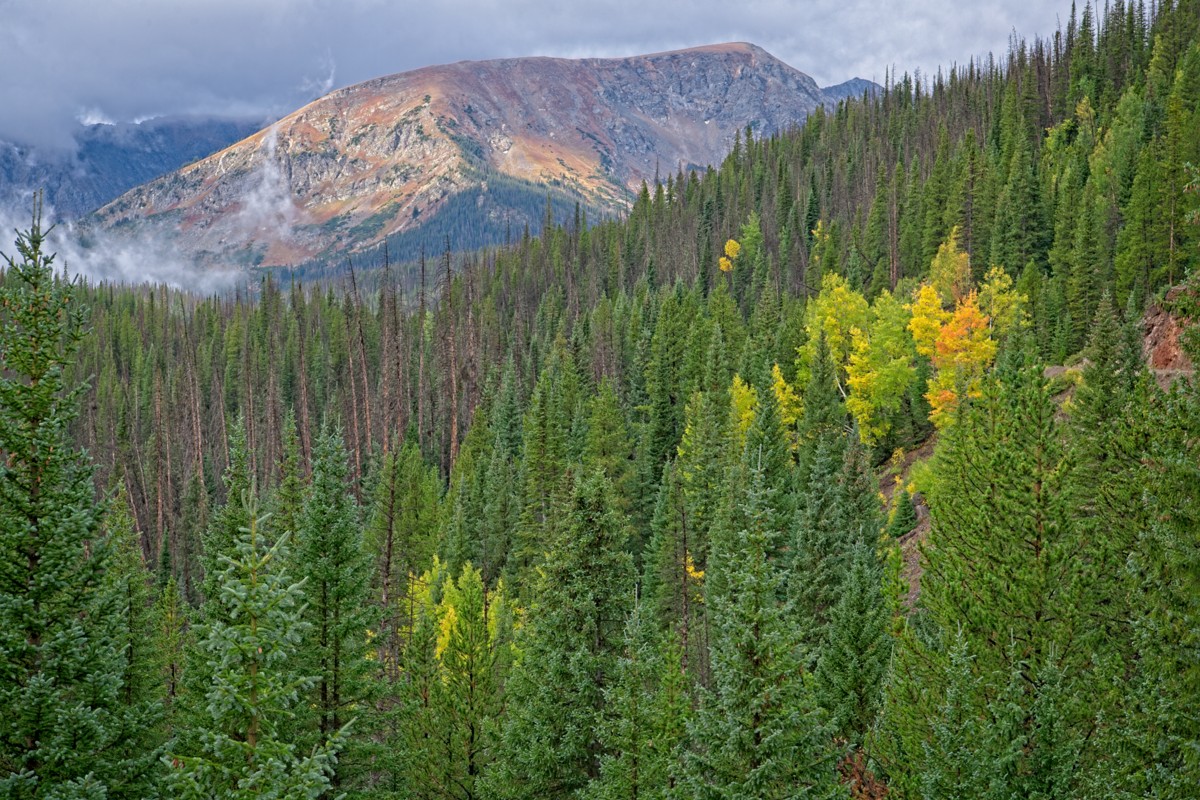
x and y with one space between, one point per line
385 157
1162 341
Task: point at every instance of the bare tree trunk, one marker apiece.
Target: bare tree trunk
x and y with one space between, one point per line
452 352
299 308
356 449
421 357
362 359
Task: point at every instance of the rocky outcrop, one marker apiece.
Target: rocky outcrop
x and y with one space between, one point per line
1162 339
386 156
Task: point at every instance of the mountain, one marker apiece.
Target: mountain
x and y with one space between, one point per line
472 150
109 160
855 87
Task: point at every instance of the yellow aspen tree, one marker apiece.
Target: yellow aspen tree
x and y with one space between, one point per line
1003 305
743 403
950 271
881 368
927 320
836 310
963 351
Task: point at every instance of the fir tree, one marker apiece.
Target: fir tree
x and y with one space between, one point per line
1165 731
227 521
475 653
1004 569
70 689
849 677
335 570
250 683
400 533
904 515
757 733
569 652
643 719
128 581
171 619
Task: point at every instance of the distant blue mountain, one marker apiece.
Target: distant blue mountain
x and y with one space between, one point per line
109 160
855 87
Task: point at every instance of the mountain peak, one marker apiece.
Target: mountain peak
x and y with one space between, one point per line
468 149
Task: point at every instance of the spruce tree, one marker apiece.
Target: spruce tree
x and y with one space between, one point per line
672 585
67 714
287 501
171 619
415 759
335 569
1005 568
475 655
128 583
904 515
609 447
249 685
569 651
848 681
643 720
1165 733
758 732
227 521
400 533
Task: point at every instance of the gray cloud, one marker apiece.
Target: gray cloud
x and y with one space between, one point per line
116 259
130 59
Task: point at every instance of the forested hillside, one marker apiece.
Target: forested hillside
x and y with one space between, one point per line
623 510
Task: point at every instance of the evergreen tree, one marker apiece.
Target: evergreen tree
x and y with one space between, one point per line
758 732
227 521
70 689
569 652
848 681
251 684
416 757
287 502
1165 730
335 570
171 618
128 581
608 446
904 515
643 721
475 653
672 585
400 533
1003 569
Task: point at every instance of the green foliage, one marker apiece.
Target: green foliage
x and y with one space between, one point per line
644 719
400 532
335 570
250 683
569 651
73 689
1003 572
849 676
904 515
625 403
757 733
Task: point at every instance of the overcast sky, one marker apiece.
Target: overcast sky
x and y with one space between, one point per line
62 61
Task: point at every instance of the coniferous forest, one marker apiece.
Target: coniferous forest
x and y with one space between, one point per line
835 471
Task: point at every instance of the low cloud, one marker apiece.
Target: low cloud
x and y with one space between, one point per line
267 207
103 258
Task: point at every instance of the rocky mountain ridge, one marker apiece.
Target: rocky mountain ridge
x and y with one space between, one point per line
471 150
